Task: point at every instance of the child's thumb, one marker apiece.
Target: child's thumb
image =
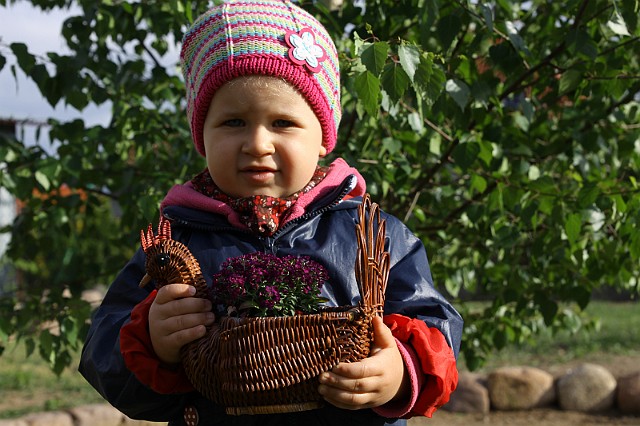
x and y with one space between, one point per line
382 336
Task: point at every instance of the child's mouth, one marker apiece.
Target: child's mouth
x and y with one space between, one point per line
259 175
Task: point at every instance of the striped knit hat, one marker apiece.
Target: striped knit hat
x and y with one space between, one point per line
261 37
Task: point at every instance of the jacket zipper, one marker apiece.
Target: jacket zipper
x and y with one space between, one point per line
346 188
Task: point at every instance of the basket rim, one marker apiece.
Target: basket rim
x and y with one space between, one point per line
338 313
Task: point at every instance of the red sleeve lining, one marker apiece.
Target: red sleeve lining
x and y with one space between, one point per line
141 359
436 362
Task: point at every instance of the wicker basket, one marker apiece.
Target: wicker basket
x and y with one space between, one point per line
271 365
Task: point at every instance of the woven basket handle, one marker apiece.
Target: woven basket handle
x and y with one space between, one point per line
372 261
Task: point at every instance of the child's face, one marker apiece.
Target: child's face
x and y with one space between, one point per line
261 138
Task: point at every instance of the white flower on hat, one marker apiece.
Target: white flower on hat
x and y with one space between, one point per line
304 50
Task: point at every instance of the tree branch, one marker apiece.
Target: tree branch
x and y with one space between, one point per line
155 60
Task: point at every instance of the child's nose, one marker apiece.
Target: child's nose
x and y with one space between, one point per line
259 142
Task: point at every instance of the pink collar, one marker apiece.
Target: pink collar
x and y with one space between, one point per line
185 195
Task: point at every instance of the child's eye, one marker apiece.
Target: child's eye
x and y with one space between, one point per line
234 122
283 123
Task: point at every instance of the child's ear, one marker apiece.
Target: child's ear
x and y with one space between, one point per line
323 151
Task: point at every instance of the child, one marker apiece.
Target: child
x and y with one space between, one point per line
263 100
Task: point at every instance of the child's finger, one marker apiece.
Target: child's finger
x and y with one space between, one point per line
177 308
171 292
358 384
346 400
355 370
177 324
184 336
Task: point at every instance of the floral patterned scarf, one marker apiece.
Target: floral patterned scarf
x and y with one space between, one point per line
261 213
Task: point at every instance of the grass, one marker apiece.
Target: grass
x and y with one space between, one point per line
616 336
27 384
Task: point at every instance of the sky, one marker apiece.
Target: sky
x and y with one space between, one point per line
21 100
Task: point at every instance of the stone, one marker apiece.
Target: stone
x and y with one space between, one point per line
49 418
587 388
97 415
131 422
13 422
520 388
628 394
471 395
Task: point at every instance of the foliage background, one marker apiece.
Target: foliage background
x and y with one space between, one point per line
504 133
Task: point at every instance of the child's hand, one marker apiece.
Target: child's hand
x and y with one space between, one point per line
175 319
371 382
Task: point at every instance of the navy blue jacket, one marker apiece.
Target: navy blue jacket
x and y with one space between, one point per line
326 233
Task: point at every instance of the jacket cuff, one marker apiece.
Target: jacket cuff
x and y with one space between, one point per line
397 409
434 364
141 359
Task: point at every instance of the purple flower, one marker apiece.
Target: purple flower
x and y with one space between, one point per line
262 284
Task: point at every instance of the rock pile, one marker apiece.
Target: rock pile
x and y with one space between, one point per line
587 388
87 415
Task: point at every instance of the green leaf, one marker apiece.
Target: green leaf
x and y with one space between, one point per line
500 338
569 81
374 57
60 361
43 180
46 344
465 154
69 330
478 183
189 12
453 285
429 79
617 24
367 86
40 75
29 346
486 152
26 61
621 205
487 14
416 122
459 91
549 310
2 61
77 99
588 195
359 44
581 42
572 227
634 246
447 29
514 37
410 58
391 145
394 81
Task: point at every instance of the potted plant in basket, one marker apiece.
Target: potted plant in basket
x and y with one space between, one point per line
262 285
